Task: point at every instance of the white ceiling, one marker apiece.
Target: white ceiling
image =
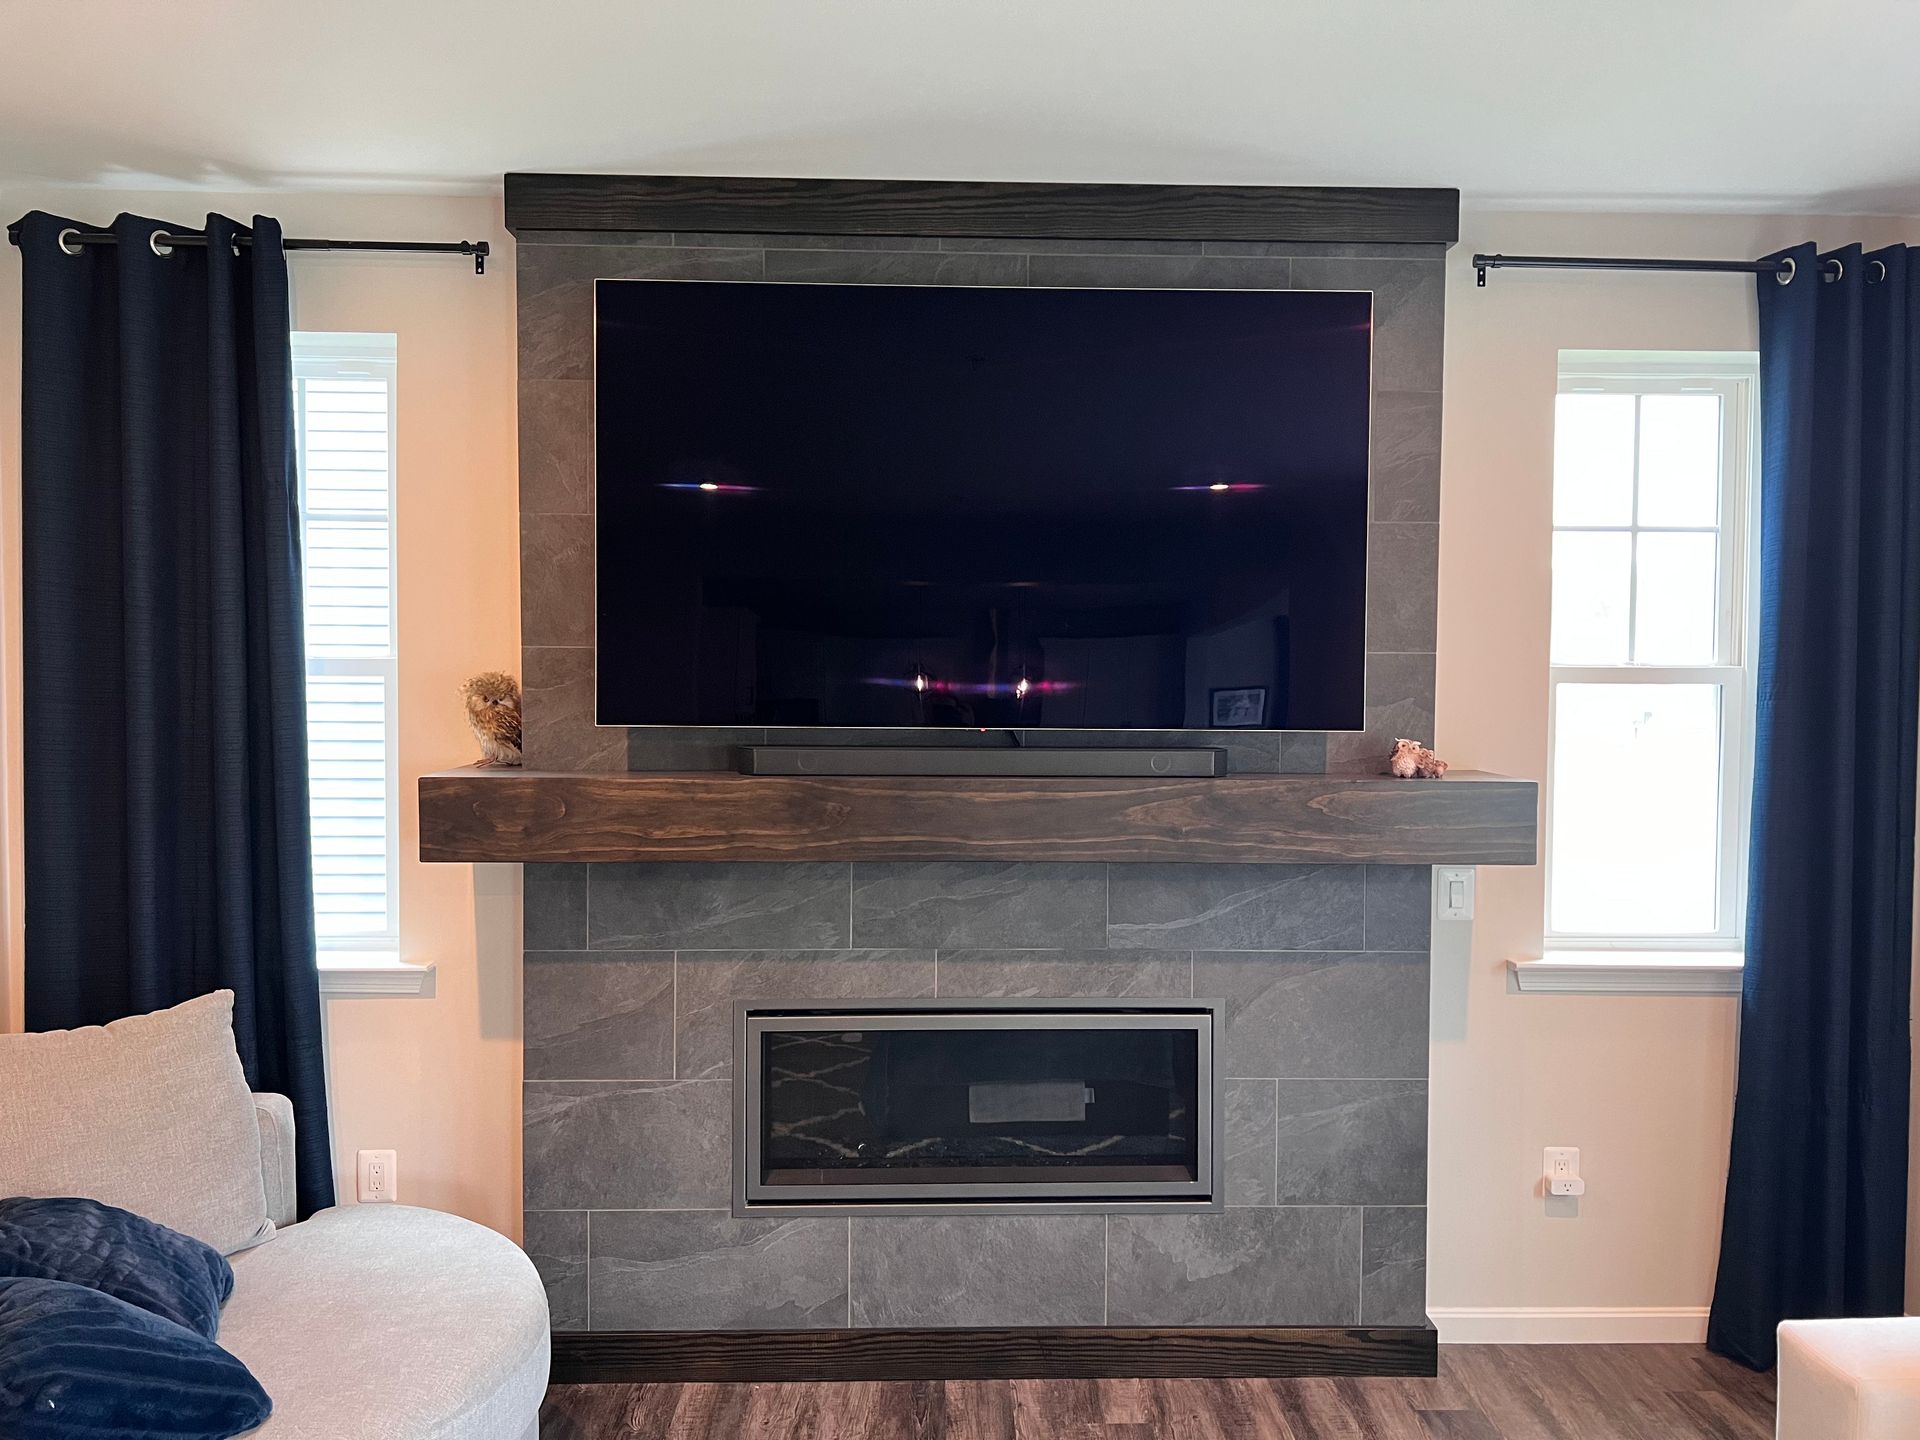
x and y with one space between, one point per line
1673 104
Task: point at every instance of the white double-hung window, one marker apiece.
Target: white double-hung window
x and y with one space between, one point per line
343 408
1654 487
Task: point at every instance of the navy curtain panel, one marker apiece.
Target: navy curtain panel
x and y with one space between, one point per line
1816 1207
167 849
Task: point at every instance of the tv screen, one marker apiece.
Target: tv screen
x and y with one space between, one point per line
942 507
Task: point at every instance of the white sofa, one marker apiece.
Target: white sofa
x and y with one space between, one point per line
1849 1379
384 1320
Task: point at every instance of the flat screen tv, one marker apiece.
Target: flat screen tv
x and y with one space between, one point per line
946 507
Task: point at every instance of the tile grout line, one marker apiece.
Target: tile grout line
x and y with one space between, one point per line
1106 1266
1276 1142
849 1272
1360 1299
589 1270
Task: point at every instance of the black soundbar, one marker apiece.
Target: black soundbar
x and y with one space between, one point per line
977 760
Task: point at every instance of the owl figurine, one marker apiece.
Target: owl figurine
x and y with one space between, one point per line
1411 760
493 711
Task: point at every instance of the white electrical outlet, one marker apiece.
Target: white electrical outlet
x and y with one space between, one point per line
1563 1171
1453 886
379 1182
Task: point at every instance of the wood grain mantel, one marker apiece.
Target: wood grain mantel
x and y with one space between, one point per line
1469 818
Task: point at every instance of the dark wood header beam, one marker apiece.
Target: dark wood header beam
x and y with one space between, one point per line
516 815
982 209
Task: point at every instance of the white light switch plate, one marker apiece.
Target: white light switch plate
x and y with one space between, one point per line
379 1184
1453 888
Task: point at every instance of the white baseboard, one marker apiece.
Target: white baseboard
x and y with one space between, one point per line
1550 1325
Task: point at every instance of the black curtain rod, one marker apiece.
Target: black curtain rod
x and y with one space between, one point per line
161 241
1484 263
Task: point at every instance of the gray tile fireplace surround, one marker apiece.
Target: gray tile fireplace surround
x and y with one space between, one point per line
632 970
631 975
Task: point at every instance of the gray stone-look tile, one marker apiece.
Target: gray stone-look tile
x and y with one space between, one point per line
708 239
720 906
1249 1131
1405 483
556 447
553 907
1399 703
541 239
556 1242
687 747
980 905
1161 272
989 1270
556 586
711 981
694 1270
1409 307
599 1016
612 1145
895 267
556 713
1039 246
1320 1015
1235 1267
1327 249
1399 907
1140 974
1352 1142
1393 1279
1236 907
1303 752
1248 751
1403 559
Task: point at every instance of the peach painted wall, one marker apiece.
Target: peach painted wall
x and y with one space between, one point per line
435 1078
1643 1085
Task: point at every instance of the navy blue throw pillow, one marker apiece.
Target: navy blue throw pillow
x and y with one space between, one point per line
117 1253
79 1365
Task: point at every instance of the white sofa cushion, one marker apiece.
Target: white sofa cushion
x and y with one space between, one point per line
151 1113
1849 1379
392 1321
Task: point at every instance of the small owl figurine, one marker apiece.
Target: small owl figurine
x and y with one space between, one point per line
493 710
1411 760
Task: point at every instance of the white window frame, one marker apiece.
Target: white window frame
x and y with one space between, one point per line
369 963
1734 376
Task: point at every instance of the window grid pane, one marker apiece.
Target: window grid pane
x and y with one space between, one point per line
1650 749
344 435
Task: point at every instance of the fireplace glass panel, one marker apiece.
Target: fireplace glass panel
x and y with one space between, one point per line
985 1106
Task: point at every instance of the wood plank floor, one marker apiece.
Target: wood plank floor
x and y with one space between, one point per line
1483 1392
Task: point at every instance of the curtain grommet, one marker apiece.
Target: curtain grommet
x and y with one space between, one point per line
1832 270
1785 276
1879 265
61 241
157 242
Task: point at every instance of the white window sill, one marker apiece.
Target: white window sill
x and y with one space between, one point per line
1630 972
361 974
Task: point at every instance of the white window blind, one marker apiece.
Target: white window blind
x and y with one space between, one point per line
344 428
1651 741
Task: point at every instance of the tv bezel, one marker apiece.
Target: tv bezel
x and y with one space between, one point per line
771 731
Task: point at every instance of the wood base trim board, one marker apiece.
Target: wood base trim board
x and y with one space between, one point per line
685 1356
1571 1325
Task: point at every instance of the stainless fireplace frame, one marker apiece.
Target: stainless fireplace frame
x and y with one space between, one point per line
1205 1017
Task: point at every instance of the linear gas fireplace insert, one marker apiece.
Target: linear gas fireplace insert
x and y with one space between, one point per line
962 1106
